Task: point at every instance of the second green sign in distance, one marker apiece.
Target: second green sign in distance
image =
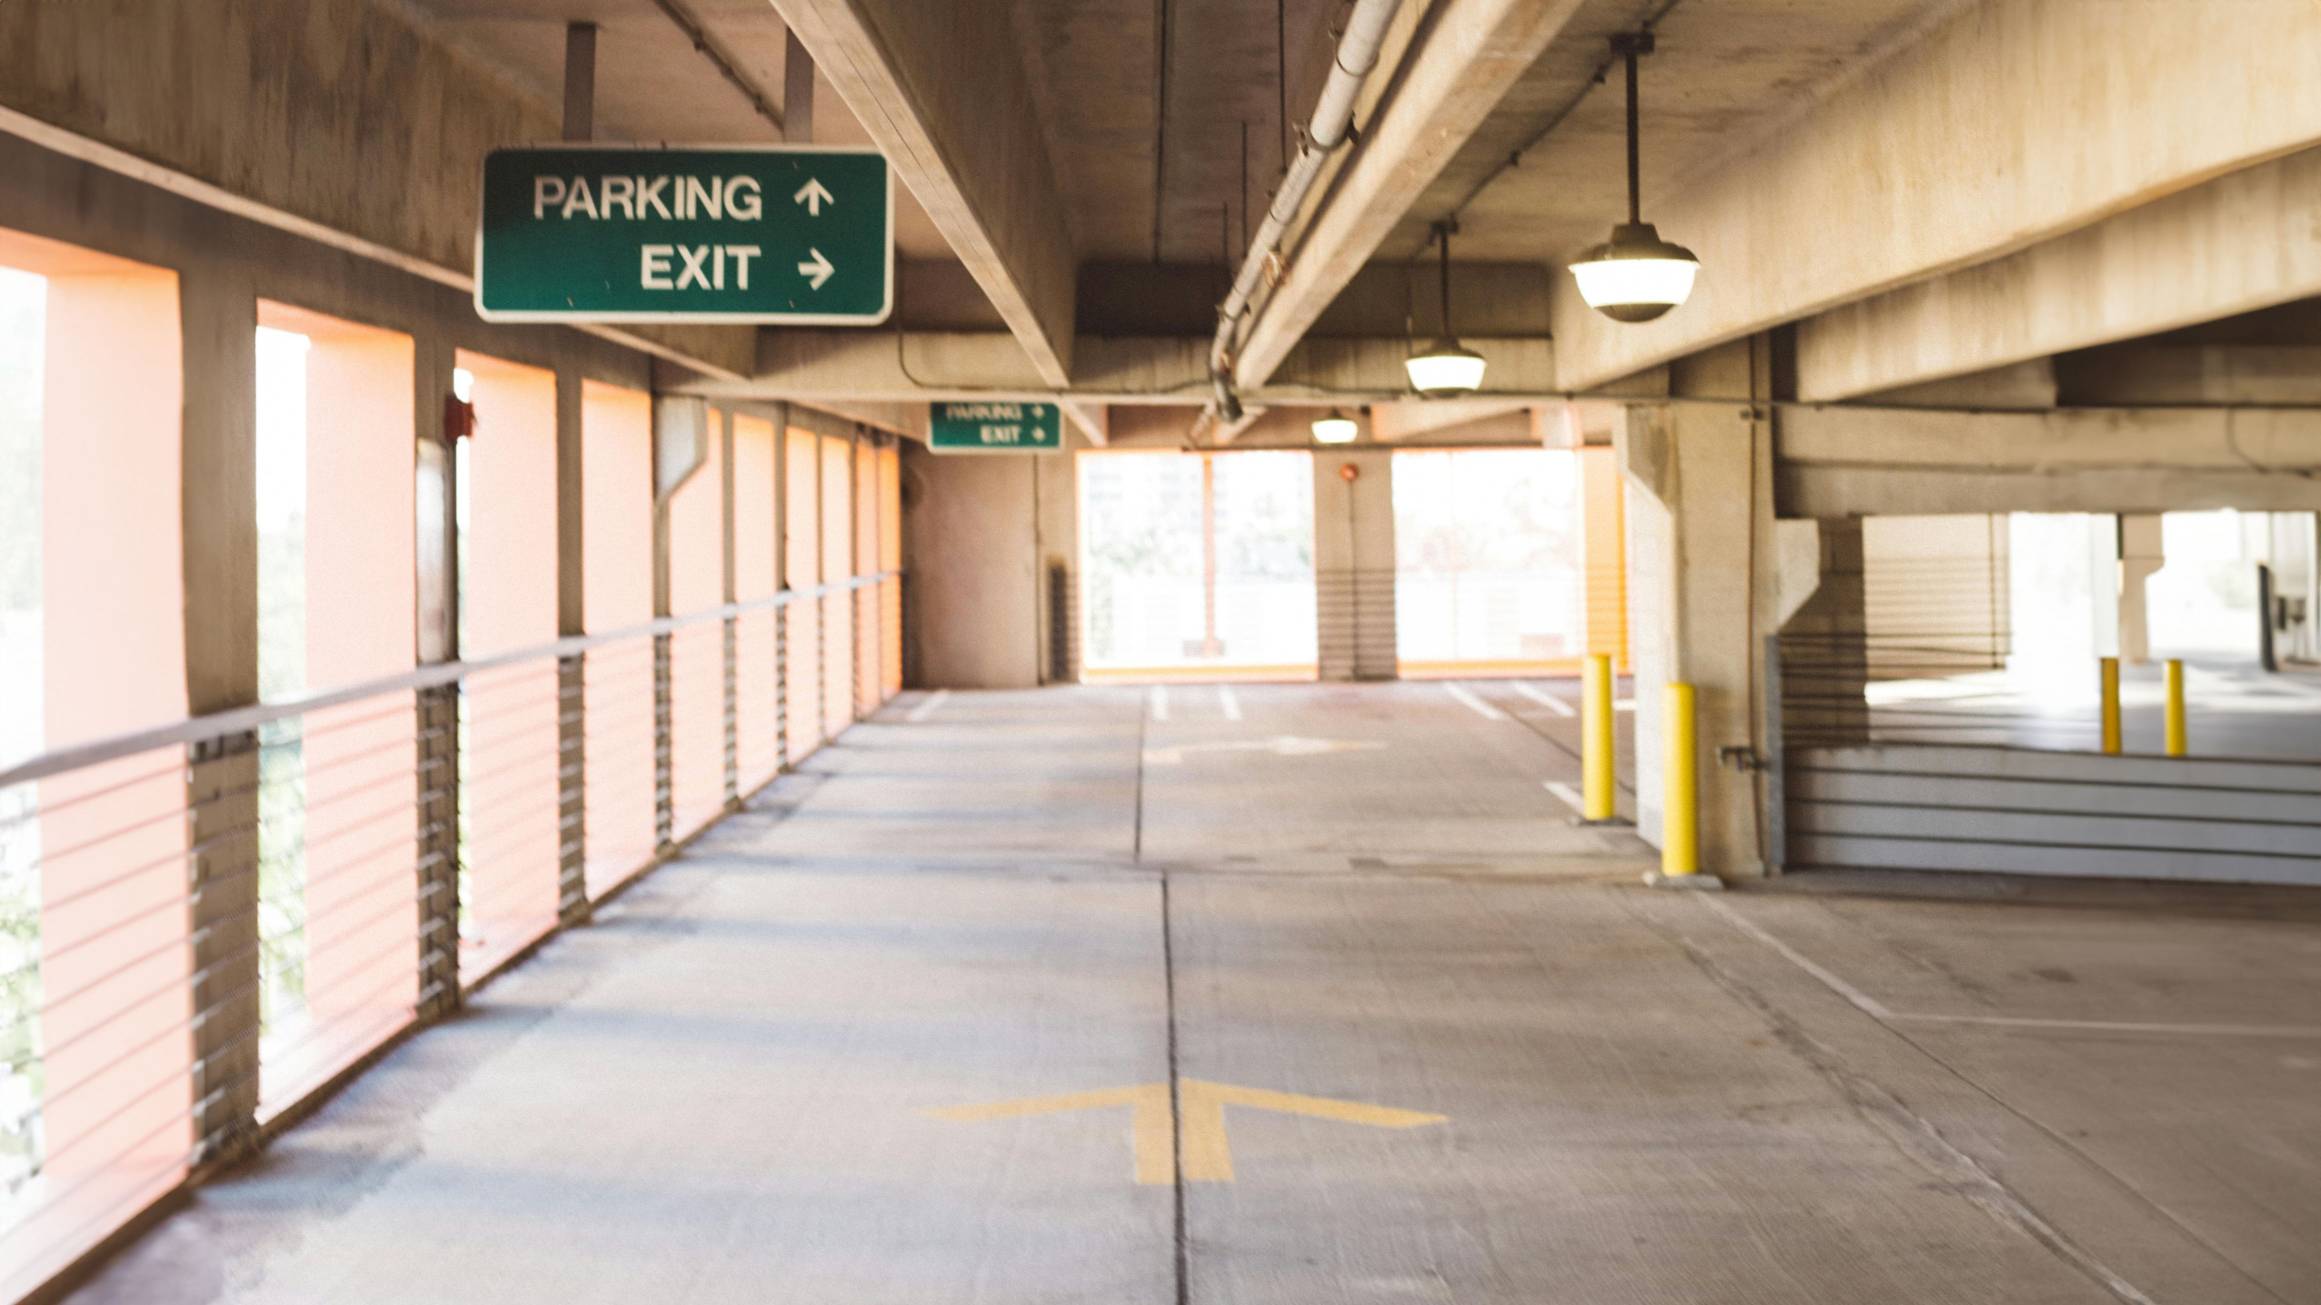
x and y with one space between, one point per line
619 233
989 426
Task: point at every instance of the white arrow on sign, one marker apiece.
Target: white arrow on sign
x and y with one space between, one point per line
816 269
814 195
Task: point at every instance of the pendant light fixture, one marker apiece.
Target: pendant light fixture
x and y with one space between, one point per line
1335 427
1635 276
1446 366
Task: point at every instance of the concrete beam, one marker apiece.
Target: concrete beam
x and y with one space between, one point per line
2210 374
1838 462
1094 420
1458 69
940 88
2225 247
922 366
1401 421
2016 122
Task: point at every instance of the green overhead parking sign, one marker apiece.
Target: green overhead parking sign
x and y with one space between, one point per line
619 233
1002 426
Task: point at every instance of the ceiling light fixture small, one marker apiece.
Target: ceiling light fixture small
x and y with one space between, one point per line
1446 366
1635 276
1335 427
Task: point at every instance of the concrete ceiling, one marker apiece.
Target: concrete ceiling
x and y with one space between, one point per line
1091 64
1727 74
652 85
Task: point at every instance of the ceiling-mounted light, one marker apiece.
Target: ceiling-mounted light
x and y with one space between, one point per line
1446 366
1335 427
1635 276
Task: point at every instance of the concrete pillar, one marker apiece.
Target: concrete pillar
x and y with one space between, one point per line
2141 558
437 889
1354 563
1701 591
571 680
732 629
219 505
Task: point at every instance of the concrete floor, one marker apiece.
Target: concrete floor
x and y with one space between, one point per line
769 1072
2232 709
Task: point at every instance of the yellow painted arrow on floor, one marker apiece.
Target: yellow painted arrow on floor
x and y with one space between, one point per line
1208 1156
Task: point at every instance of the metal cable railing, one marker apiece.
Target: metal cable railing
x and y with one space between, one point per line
205 925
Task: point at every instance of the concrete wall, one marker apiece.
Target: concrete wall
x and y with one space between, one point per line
972 548
1354 562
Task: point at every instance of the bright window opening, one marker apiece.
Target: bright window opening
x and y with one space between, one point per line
1197 564
1489 562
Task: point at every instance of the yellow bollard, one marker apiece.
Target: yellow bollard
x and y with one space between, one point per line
1596 799
1680 816
2111 705
2178 744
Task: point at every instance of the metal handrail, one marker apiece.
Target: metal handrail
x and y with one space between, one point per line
241 720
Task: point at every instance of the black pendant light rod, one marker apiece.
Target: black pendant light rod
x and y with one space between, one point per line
1443 233
1628 47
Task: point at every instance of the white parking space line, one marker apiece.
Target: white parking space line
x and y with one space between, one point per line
1624 704
1566 794
1474 704
1160 702
1546 699
928 708
1878 1010
1864 1002
1227 700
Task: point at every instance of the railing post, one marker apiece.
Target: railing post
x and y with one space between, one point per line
223 817
664 745
572 788
438 879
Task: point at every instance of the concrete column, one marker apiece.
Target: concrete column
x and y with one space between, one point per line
437 889
220 318
723 429
2141 558
1701 566
1354 563
781 419
571 679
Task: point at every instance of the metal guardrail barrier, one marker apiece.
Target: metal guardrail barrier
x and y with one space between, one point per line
205 926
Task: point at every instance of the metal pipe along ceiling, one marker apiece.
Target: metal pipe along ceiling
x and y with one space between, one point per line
1333 114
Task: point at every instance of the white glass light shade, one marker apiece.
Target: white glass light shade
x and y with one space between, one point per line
1445 367
1335 428
1636 276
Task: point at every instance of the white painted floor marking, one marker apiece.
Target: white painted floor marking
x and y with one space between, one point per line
1566 793
2123 1026
1229 702
1160 702
1547 700
1473 703
1878 1010
1862 1001
1624 704
928 708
